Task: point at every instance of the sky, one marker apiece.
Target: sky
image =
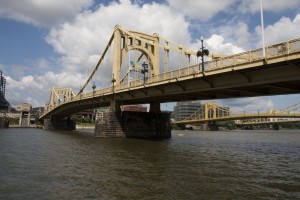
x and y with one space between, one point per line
46 43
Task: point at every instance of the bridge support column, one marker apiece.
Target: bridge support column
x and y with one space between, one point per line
133 124
205 127
210 126
154 107
59 124
115 105
109 124
4 123
275 126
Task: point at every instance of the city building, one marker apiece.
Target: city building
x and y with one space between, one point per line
4 104
182 110
25 110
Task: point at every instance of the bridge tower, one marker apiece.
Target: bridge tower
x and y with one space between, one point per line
132 124
58 96
125 41
210 112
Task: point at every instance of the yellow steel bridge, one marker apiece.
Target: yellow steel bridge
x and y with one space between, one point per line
179 76
210 112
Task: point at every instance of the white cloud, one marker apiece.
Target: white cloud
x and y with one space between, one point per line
283 30
235 32
82 41
268 5
216 44
19 90
201 10
249 104
36 89
43 63
44 13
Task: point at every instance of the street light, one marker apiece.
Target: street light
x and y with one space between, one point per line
94 87
201 53
144 70
113 82
262 29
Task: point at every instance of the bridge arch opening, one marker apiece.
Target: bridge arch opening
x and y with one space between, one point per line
132 65
211 113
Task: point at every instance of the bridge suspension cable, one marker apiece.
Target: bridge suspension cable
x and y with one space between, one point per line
97 65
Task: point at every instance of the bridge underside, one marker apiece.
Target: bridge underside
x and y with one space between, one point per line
259 81
236 82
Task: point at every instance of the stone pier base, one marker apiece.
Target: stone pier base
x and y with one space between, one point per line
109 124
275 126
211 126
4 123
59 124
133 124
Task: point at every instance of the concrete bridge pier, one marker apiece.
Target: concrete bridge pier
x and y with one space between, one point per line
211 126
4 123
59 124
114 123
275 126
181 126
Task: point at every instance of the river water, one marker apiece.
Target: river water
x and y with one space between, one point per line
39 164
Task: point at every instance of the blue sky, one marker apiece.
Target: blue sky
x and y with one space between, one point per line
45 43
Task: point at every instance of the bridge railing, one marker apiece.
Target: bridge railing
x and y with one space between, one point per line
272 51
194 69
294 45
236 59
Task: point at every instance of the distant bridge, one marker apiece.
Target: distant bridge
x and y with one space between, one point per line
211 112
257 121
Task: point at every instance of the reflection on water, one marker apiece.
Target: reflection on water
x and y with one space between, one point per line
38 164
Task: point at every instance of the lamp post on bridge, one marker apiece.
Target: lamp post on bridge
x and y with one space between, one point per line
144 70
262 29
113 82
94 87
201 53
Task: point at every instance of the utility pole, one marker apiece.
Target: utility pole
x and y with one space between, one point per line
144 70
262 29
203 52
